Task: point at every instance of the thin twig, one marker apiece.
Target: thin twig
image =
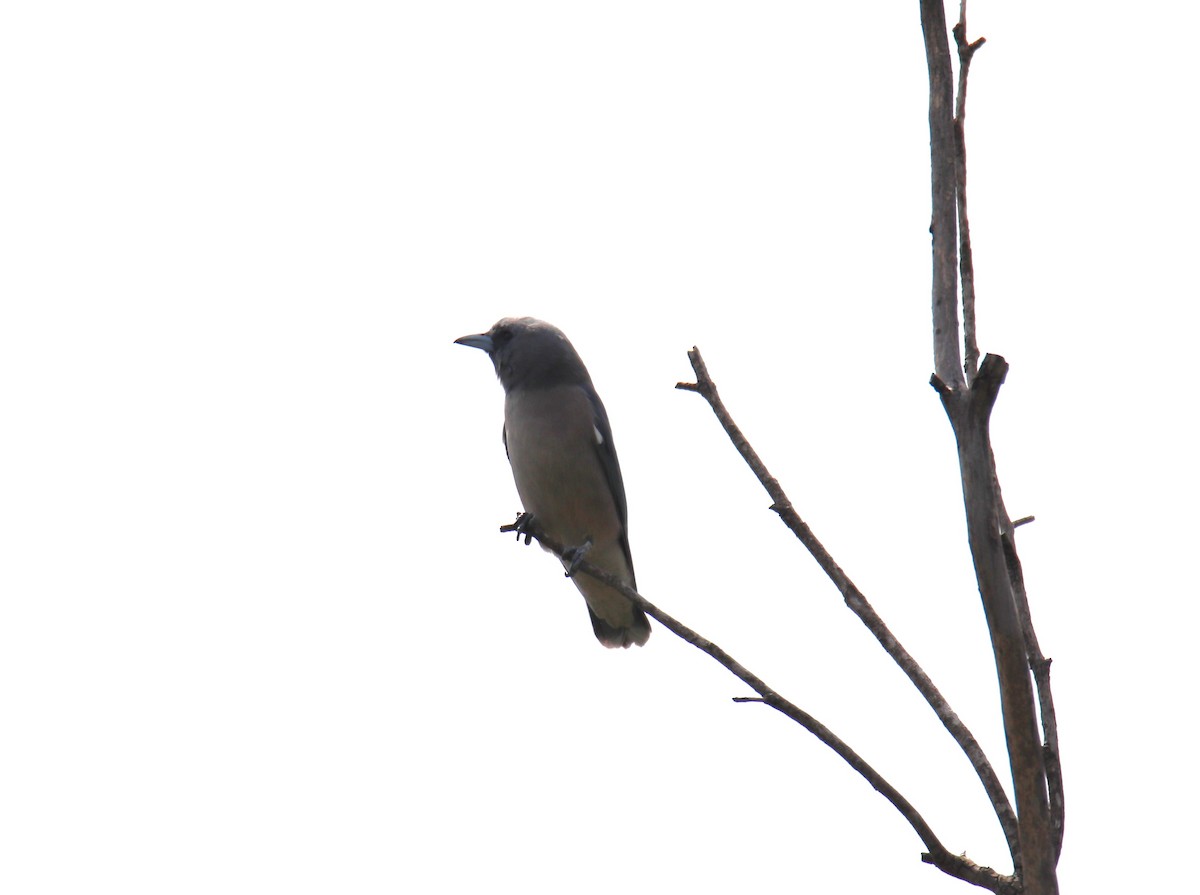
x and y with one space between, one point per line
966 261
859 605
955 865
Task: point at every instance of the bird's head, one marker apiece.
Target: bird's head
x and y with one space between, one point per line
529 353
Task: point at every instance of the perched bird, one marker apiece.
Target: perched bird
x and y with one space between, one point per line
561 451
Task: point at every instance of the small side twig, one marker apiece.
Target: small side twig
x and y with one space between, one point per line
859 605
957 866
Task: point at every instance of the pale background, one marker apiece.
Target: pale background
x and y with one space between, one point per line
259 633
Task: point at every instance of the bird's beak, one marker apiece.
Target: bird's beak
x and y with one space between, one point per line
482 341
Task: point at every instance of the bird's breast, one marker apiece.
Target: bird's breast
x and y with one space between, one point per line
552 446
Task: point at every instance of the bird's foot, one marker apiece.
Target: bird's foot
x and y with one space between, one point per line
523 525
573 556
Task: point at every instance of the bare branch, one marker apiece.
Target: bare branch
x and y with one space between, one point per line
966 52
984 877
859 605
1040 666
1036 775
937 855
943 224
969 411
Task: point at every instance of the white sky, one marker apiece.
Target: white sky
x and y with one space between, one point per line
259 633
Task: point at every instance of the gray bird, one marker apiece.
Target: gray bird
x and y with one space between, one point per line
561 451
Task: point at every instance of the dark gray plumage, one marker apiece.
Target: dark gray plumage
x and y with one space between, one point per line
561 451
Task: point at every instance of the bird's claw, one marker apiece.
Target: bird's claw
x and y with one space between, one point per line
522 526
573 556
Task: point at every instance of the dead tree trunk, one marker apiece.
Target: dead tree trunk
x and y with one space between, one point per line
968 397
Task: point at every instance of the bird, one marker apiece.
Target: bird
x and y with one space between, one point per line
560 447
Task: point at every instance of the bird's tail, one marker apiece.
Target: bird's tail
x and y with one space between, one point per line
616 621
635 629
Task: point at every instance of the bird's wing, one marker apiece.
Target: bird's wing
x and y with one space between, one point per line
607 454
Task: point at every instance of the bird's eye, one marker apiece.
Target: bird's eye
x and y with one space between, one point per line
502 336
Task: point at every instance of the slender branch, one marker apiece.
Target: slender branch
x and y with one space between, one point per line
943 223
1040 666
937 855
859 605
966 52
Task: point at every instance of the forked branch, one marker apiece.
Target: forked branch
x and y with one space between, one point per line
859 605
968 402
